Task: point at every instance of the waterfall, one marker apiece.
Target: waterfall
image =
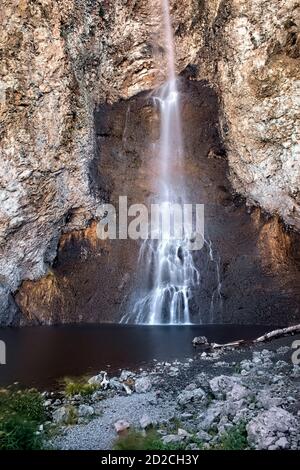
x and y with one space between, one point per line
166 265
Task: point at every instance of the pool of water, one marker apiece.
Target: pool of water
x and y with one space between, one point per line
41 356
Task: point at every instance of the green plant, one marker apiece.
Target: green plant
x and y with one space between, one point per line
78 387
26 403
234 439
16 433
135 440
21 411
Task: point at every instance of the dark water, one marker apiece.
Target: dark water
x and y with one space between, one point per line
40 356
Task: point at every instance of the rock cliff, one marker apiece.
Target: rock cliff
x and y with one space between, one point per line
59 60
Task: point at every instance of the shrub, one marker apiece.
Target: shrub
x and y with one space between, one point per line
21 411
234 439
135 440
79 387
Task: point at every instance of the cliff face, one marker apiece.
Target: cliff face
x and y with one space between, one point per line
60 59
258 77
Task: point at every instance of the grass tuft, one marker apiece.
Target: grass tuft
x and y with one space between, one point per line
151 440
21 411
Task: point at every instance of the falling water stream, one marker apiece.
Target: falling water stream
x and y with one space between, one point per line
166 265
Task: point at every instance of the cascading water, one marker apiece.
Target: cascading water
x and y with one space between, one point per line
166 265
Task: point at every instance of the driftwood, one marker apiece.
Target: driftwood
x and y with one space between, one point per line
266 337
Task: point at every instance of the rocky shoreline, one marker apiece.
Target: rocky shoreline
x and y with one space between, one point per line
227 399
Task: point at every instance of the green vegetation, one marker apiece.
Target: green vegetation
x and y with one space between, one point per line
79 387
21 412
151 440
234 439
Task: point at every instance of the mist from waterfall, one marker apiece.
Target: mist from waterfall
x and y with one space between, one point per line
166 265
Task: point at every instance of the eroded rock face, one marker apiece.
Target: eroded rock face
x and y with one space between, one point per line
245 252
258 76
60 61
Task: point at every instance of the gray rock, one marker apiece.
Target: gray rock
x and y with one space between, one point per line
210 416
282 443
115 384
262 429
121 425
126 374
200 340
96 380
85 411
202 380
183 433
283 350
186 416
63 415
232 407
266 400
238 392
191 386
222 385
146 422
172 439
142 385
187 396
203 436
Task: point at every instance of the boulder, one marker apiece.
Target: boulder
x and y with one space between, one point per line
264 428
196 395
85 411
63 415
210 416
142 385
96 380
200 341
222 384
173 439
121 425
237 393
126 374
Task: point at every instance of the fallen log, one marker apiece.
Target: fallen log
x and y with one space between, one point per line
278 333
266 337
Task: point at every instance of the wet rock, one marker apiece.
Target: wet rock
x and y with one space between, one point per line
200 341
142 385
